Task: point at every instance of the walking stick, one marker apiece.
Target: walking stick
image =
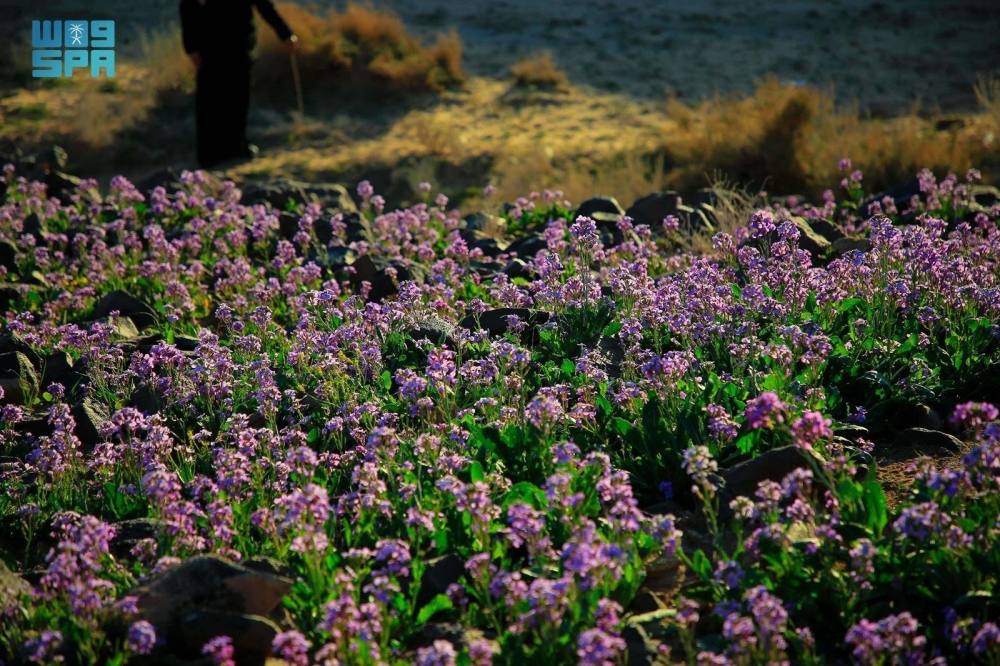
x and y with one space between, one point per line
298 87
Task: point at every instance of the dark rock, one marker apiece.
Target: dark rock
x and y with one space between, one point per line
641 649
183 343
61 186
645 601
985 195
826 229
918 415
36 427
18 379
773 465
268 565
128 533
485 223
809 240
280 191
210 583
491 247
850 431
495 321
695 219
35 278
844 245
440 573
169 179
277 193
528 246
652 208
12 587
10 293
603 210
901 196
434 329
516 268
128 306
58 368
949 124
8 256
124 327
384 276
705 195
13 342
708 215
252 635
52 158
331 195
147 400
89 415
611 352
288 224
355 227
930 438
32 226
334 258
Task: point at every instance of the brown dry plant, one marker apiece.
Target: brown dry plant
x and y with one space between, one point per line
792 138
539 72
360 50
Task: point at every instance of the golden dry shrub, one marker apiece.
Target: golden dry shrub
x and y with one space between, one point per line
789 139
539 72
360 50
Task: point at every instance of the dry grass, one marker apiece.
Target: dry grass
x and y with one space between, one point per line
162 58
789 139
625 177
361 50
733 207
539 72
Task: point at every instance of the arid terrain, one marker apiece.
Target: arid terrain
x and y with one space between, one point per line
883 54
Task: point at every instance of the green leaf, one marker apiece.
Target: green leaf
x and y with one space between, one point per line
386 380
568 367
476 471
525 492
811 302
312 436
875 504
701 565
612 328
747 442
621 426
437 604
851 304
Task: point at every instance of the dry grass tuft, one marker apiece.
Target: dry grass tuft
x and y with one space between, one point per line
361 50
539 73
789 140
733 206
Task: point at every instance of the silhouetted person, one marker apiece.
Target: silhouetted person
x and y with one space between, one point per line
219 37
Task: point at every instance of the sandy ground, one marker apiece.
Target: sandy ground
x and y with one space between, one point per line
883 54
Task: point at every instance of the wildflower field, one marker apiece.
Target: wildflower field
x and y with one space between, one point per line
238 433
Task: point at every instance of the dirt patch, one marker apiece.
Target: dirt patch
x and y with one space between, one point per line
895 460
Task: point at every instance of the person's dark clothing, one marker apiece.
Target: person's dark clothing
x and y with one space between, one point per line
222 103
222 32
